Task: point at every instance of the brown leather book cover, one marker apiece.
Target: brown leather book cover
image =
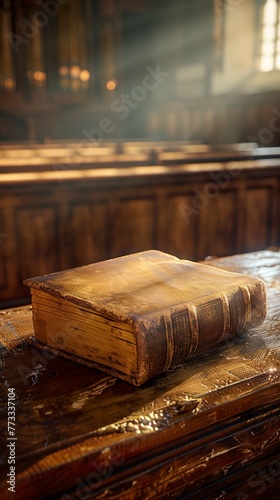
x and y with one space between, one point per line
139 315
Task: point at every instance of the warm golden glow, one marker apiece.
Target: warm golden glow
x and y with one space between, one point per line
111 84
39 76
9 83
85 75
63 71
75 71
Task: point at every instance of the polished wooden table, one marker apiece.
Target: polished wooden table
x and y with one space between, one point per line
208 429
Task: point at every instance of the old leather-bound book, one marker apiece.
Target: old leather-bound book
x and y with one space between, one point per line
139 315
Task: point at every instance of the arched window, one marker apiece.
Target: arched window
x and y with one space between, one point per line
270 36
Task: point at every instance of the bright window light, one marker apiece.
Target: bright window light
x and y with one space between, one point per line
270 41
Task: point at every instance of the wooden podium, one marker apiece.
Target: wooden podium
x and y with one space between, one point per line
208 429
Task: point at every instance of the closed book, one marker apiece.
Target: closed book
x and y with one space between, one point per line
140 315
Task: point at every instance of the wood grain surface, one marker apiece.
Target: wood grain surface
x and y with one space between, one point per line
207 429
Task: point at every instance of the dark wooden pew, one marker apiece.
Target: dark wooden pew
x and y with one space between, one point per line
62 215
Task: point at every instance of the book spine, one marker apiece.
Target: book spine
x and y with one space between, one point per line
173 336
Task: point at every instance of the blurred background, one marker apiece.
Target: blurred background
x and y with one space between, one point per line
131 125
67 64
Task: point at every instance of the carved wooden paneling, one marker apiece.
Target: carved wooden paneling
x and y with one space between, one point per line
222 125
132 225
209 124
218 224
259 217
47 225
221 119
197 124
37 240
181 226
234 119
252 123
88 238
